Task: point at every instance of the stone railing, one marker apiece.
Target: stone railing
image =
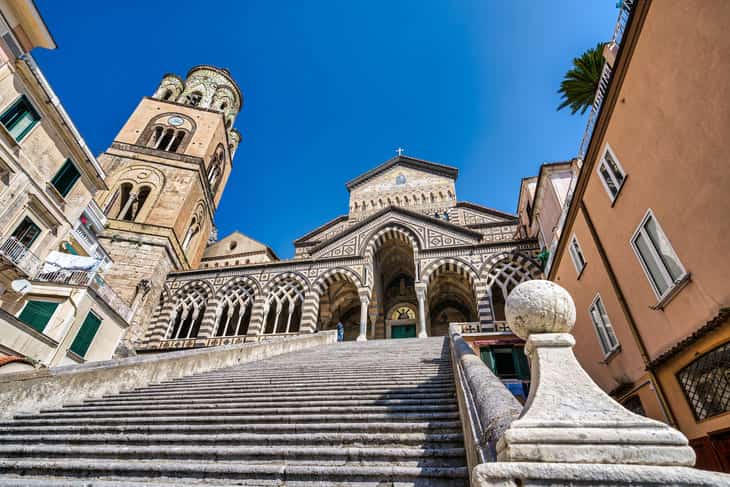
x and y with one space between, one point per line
19 255
50 388
486 406
217 341
570 432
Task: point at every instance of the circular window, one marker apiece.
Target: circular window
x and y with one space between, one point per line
400 179
233 245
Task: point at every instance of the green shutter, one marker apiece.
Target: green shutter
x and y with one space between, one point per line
521 364
37 314
487 357
86 334
20 118
66 177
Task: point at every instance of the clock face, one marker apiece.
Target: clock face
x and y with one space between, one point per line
176 121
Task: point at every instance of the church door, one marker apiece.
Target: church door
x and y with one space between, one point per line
403 331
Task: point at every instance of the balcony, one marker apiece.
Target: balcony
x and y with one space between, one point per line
20 257
93 281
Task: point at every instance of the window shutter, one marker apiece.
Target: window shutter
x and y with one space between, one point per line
37 314
85 335
66 177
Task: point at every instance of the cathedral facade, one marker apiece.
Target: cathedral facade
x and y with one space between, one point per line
406 260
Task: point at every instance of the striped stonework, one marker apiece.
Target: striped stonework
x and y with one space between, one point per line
442 266
484 303
310 311
376 241
256 326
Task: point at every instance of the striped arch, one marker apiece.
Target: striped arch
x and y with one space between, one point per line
387 233
514 264
236 281
278 279
506 270
192 310
234 304
449 264
334 275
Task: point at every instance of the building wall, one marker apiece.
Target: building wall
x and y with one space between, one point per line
668 129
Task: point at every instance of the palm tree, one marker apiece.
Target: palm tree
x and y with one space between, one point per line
579 85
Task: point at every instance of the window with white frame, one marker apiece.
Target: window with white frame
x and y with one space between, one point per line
606 336
611 173
656 255
576 254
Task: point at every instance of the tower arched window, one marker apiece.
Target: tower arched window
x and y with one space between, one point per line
193 230
167 95
194 98
125 192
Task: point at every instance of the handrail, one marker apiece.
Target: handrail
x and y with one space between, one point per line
486 406
17 253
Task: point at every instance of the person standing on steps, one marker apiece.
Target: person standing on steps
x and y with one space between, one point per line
340 332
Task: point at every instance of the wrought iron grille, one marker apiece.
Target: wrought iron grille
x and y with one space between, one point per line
706 383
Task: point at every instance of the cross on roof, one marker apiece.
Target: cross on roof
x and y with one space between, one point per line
399 150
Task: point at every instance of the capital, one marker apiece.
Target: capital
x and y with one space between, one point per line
420 290
364 293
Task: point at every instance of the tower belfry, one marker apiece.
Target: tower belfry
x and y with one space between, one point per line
167 167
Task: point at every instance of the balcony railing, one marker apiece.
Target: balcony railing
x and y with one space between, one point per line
476 327
93 281
19 255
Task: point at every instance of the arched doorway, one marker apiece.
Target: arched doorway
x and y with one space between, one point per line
395 276
451 299
340 303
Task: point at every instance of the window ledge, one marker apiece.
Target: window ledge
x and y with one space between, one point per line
618 193
51 189
679 284
75 356
7 138
581 271
611 355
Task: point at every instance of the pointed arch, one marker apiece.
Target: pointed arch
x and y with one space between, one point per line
387 232
334 275
284 303
235 306
190 303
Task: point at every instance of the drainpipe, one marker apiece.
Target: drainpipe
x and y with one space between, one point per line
666 409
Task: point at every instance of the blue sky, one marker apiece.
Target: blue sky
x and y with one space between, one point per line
332 88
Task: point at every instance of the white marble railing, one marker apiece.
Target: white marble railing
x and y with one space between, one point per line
92 280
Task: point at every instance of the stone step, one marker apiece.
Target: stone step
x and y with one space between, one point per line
311 401
304 408
237 419
233 428
287 453
286 385
420 440
310 380
335 388
268 398
228 473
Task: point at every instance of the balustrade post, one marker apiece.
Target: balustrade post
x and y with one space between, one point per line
364 302
570 431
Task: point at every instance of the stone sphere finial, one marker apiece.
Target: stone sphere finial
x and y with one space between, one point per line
539 307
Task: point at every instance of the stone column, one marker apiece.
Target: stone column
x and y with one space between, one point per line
421 296
310 312
125 209
364 302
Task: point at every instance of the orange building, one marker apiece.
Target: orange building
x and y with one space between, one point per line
643 248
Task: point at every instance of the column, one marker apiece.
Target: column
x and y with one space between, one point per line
421 296
258 316
310 312
125 209
364 302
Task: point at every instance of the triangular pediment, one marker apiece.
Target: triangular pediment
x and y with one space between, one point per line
429 232
418 165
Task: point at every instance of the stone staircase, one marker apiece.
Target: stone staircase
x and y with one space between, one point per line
370 413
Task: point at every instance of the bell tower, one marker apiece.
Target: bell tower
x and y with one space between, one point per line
167 167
